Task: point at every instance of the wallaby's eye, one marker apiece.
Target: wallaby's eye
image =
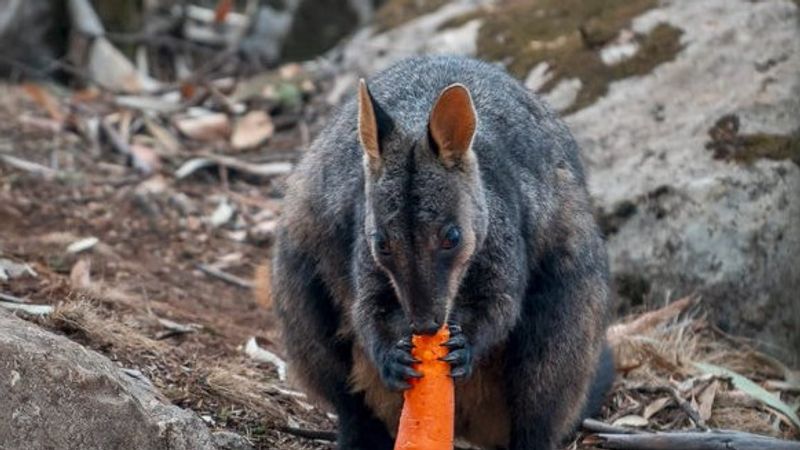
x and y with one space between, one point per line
381 243
450 237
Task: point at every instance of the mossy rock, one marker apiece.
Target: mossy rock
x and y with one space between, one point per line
394 13
728 144
568 35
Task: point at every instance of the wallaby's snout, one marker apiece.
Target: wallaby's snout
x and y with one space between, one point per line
426 327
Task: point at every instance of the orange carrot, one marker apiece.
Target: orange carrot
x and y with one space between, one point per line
427 419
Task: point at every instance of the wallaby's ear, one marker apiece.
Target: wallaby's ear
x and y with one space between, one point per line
367 124
452 123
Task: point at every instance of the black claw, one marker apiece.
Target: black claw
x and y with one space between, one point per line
458 372
405 344
458 341
408 372
397 366
453 357
407 359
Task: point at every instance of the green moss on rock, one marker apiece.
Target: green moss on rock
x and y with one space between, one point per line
728 144
397 12
568 35
768 146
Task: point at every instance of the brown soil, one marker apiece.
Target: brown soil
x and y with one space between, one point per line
153 234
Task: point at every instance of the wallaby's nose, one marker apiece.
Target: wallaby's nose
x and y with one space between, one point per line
426 327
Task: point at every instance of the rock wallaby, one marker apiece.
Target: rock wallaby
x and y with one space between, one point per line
445 193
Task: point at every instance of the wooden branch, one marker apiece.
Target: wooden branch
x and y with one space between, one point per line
717 440
29 166
13 298
224 276
310 434
602 427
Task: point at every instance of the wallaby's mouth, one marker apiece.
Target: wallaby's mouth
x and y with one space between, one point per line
426 327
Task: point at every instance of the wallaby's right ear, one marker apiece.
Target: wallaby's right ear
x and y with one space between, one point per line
452 124
368 125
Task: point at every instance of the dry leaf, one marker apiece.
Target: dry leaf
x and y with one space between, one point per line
82 245
169 144
112 70
80 276
258 353
262 289
746 385
144 159
45 100
252 129
631 421
656 406
208 127
706 400
10 269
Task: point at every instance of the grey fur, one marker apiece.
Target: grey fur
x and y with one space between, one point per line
530 283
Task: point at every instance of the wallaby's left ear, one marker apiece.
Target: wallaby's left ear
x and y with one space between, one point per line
368 125
452 124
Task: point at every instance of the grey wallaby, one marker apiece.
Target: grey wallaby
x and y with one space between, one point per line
445 193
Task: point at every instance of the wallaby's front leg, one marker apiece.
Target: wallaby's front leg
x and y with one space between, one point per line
318 354
383 329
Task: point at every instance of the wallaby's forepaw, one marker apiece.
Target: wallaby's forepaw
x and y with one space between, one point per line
397 368
460 353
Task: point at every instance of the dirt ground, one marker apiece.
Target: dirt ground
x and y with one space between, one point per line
138 294
152 233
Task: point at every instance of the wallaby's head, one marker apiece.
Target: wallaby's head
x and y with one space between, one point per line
425 208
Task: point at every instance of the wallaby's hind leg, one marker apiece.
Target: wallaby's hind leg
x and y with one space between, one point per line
320 357
601 384
359 429
552 355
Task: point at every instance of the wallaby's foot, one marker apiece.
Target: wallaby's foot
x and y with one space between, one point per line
460 353
365 433
396 366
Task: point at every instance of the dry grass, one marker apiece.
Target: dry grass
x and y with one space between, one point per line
102 329
655 355
656 361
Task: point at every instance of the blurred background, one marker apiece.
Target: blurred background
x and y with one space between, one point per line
145 144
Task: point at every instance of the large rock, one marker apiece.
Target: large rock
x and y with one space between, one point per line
684 221
688 114
57 394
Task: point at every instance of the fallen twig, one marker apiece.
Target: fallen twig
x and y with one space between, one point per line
715 440
224 276
28 166
174 328
602 427
210 160
33 310
13 298
310 434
